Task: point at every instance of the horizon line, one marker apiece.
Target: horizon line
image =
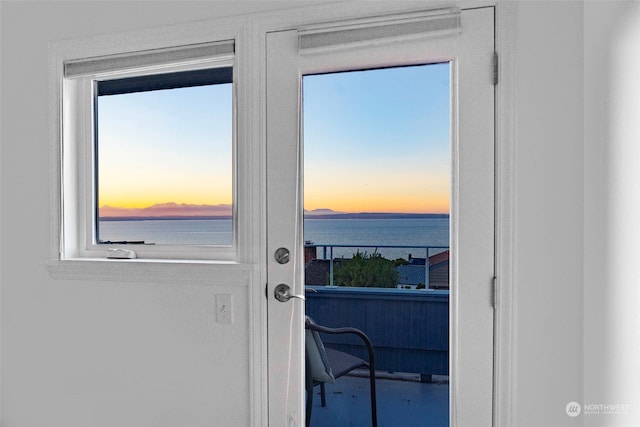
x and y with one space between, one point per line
345 215
223 209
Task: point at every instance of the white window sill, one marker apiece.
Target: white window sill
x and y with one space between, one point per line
149 270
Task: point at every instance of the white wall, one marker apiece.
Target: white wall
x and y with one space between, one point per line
77 353
612 209
577 106
548 211
99 353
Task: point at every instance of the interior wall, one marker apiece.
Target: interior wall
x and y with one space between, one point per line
100 353
548 191
577 98
78 353
612 209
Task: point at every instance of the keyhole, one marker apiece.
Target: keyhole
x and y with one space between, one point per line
282 255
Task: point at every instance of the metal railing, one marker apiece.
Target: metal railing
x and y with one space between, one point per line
330 247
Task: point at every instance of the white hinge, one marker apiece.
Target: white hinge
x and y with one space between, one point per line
495 68
495 293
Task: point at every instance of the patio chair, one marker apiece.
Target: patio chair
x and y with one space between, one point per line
325 365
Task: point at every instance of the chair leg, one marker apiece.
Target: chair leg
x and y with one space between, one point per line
372 385
309 405
309 387
323 395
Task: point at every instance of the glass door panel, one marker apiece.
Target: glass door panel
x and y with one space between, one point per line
377 190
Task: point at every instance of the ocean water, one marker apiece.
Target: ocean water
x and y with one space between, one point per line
384 232
214 232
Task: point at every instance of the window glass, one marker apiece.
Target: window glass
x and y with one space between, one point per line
377 157
377 153
164 153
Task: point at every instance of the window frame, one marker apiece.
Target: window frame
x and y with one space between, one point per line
79 191
70 133
83 106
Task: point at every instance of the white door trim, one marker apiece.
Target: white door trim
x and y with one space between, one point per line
505 24
505 379
505 360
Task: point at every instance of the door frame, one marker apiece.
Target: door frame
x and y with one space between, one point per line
505 291
505 316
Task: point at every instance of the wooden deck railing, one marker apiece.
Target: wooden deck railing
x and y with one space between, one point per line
408 328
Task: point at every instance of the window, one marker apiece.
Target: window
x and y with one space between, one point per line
385 136
148 155
164 159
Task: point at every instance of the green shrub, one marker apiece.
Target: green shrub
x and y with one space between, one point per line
369 271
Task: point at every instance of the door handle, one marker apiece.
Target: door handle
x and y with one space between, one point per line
282 293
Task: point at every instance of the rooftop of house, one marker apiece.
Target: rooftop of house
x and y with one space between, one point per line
411 274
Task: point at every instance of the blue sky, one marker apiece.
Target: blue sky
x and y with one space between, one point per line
164 146
378 140
374 141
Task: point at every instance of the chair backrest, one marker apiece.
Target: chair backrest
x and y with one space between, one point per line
317 355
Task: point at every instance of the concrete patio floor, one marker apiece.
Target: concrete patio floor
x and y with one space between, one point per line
401 403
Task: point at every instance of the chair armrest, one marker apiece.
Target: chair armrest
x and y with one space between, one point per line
347 330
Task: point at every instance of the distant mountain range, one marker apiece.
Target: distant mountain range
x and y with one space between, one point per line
167 210
375 215
172 210
322 211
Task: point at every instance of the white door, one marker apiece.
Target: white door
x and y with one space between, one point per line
468 45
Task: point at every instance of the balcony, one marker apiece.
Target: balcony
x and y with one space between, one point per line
402 402
409 329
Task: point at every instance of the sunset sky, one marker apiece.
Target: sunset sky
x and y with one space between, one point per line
374 141
165 146
378 140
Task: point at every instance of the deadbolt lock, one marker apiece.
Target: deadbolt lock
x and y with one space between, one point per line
282 255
